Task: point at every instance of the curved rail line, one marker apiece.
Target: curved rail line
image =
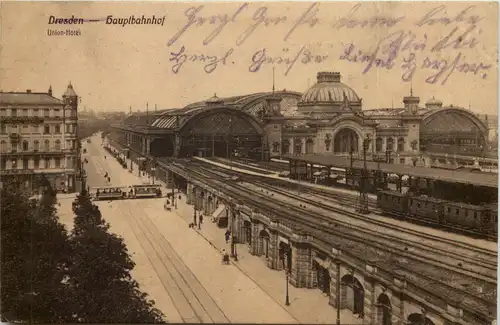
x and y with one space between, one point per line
474 302
486 253
373 204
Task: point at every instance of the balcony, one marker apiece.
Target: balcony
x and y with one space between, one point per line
14 136
39 152
17 172
22 120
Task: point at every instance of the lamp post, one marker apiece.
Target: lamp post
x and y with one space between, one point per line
287 272
336 252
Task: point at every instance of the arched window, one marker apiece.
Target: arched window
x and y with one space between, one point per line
285 147
298 146
390 144
46 145
36 145
25 145
276 147
378 144
58 144
3 146
309 146
401 144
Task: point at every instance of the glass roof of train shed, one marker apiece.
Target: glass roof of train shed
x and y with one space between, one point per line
452 176
168 119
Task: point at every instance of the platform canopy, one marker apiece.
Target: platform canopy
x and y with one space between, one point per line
452 176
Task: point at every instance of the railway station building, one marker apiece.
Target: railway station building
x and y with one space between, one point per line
327 119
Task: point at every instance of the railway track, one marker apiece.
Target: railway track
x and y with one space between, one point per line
483 260
372 204
192 301
327 230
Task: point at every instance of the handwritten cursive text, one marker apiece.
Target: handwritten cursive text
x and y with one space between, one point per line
221 21
210 62
307 18
438 16
349 21
305 56
445 68
464 40
260 18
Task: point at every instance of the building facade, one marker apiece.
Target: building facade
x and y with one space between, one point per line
38 136
327 119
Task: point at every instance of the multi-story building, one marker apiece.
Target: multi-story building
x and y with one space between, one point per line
38 136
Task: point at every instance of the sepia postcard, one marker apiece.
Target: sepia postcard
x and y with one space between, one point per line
249 162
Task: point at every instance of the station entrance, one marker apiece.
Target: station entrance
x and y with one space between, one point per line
221 133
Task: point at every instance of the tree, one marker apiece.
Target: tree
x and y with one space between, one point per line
34 257
100 272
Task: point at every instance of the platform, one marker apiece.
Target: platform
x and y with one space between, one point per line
452 176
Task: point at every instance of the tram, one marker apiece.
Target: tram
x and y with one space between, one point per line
145 191
109 193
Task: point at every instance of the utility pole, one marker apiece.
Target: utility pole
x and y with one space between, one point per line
363 184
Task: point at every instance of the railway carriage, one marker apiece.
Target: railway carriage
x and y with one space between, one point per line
425 208
109 193
146 191
490 219
392 202
474 219
464 215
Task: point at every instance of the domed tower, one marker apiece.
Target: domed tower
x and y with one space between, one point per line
70 98
411 103
329 96
433 104
214 102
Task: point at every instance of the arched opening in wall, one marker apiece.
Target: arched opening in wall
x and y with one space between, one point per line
162 147
384 310
199 202
264 243
297 146
378 144
353 294
323 278
210 203
309 146
346 140
221 133
401 144
419 319
390 144
285 255
285 147
247 232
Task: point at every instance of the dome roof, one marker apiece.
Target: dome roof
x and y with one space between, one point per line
214 101
329 89
433 103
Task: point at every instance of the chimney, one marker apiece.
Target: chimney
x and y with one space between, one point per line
28 91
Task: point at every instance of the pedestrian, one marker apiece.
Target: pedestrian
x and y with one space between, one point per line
201 221
194 218
227 234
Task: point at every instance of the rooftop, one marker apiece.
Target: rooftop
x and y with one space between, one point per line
452 176
28 98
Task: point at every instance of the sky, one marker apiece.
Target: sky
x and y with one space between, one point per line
448 49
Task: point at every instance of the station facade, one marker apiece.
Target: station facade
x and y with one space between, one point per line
327 119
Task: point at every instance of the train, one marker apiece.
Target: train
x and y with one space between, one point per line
467 218
132 192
